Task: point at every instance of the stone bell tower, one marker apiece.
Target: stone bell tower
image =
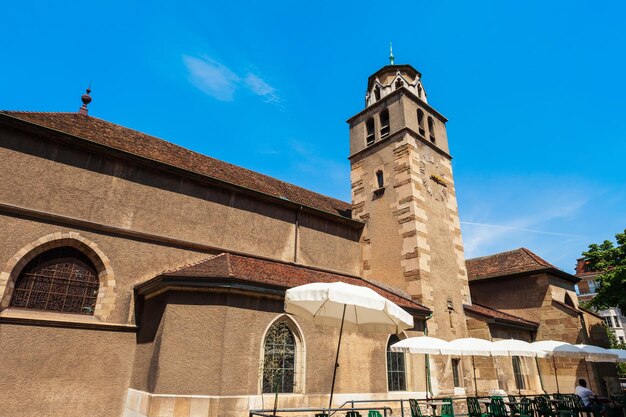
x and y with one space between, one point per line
402 187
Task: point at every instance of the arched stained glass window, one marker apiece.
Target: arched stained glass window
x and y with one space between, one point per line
279 359
396 373
61 279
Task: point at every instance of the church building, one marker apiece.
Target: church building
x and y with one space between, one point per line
142 279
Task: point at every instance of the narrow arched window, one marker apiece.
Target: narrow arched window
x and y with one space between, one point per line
517 372
380 179
384 123
377 93
279 359
399 83
420 122
419 90
456 372
369 127
396 372
61 279
431 129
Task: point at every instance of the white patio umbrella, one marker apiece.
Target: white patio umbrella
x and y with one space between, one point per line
425 345
471 346
555 348
621 354
351 306
515 347
597 354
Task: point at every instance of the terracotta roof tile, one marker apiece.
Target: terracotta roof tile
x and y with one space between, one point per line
506 263
132 141
227 265
498 315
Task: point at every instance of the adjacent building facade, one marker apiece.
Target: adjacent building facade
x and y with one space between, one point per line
138 278
613 317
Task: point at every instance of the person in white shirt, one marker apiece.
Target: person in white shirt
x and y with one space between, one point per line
584 393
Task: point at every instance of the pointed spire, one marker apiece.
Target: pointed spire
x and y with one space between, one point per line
391 57
86 99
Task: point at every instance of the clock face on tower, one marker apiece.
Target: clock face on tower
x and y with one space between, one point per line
433 178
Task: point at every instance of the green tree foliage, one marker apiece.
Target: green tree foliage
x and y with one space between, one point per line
610 260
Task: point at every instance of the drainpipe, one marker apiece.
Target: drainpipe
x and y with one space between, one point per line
295 244
429 387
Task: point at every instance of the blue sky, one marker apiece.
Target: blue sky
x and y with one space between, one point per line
534 92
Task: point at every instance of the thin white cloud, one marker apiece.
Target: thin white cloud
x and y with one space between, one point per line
259 87
219 81
520 229
211 77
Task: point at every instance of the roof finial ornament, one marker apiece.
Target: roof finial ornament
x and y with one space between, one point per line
391 57
86 99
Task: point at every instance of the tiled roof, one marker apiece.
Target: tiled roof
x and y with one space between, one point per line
499 316
277 274
150 147
507 263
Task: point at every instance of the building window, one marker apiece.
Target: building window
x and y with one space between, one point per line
615 322
384 123
456 372
420 122
61 279
369 126
279 359
380 179
568 301
399 83
419 90
592 286
396 380
431 129
517 372
607 320
621 339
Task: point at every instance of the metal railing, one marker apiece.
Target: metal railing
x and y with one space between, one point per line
386 411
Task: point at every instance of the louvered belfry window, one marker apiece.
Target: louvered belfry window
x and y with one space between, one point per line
61 279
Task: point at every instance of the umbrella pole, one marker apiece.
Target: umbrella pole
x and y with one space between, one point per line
475 384
332 387
556 377
429 388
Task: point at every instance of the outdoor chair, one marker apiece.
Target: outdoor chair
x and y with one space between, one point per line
497 407
565 406
447 410
513 406
415 408
374 413
473 408
525 408
543 406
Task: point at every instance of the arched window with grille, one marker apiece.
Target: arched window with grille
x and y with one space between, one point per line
61 280
420 122
384 123
279 359
431 129
396 372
